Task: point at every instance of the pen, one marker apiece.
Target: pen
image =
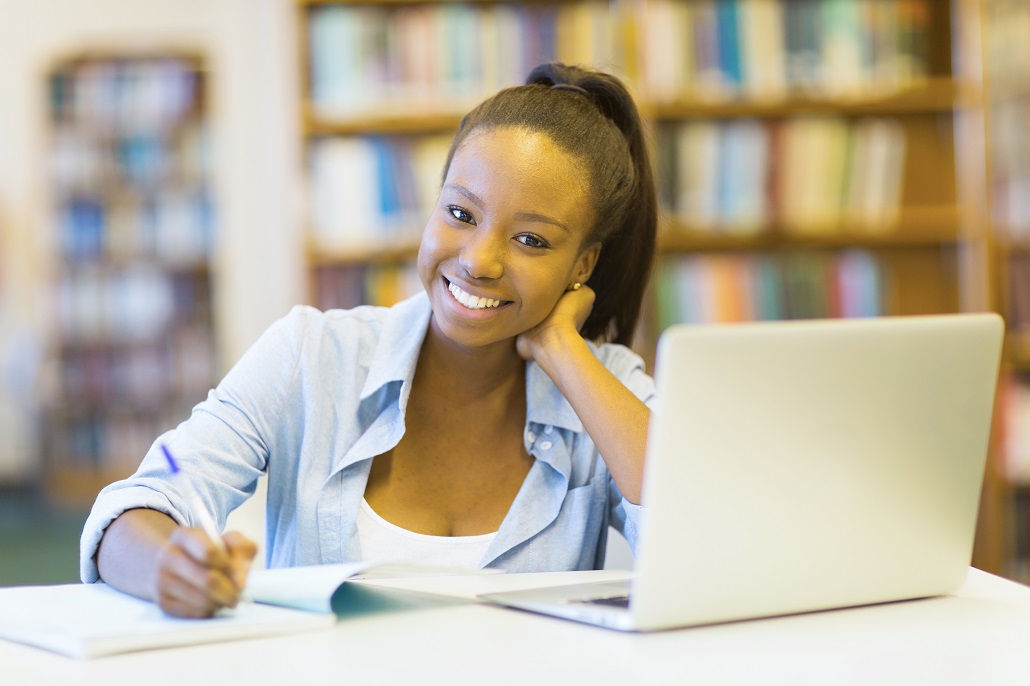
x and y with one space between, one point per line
207 522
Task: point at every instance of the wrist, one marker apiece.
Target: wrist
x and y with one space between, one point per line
558 350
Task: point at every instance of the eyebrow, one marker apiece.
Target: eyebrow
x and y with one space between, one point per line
520 216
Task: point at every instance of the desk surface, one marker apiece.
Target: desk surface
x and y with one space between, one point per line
979 635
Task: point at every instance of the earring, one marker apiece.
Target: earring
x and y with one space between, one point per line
576 286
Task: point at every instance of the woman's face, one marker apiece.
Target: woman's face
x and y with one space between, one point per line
506 238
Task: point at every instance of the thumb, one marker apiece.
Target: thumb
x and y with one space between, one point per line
242 551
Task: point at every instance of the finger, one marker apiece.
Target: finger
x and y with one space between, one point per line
178 569
184 601
241 554
199 546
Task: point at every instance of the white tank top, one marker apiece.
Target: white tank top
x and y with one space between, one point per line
382 541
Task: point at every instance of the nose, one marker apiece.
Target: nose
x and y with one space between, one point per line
482 254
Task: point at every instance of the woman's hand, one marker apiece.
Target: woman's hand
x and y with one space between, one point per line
567 317
196 578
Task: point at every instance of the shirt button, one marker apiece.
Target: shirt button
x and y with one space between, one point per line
546 445
548 429
531 437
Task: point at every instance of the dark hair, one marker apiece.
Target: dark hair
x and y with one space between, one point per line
592 116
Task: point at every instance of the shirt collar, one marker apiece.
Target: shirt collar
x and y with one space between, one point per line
545 404
396 356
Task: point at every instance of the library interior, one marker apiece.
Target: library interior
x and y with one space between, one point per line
175 175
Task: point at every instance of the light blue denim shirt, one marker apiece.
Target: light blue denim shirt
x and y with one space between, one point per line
321 394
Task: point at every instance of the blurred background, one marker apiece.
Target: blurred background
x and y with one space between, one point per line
176 174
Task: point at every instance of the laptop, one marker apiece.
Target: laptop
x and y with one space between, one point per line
803 466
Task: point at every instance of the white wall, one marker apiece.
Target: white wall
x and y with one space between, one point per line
250 49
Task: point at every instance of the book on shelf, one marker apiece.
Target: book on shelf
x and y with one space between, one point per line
1014 419
347 286
1010 165
367 192
369 60
1018 314
811 174
768 49
722 288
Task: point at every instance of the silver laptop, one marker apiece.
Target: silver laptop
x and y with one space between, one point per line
802 466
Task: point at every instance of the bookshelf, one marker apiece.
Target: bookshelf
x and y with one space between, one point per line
1007 87
384 88
814 157
132 220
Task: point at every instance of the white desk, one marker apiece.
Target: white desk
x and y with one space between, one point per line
980 635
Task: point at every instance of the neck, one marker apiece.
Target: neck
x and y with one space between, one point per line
470 374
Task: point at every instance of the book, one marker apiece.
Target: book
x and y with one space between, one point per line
93 620
328 588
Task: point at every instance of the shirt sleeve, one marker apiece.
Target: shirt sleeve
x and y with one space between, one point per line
223 448
627 367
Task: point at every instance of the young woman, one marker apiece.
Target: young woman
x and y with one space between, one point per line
495 420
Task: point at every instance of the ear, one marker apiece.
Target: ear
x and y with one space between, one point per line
586 262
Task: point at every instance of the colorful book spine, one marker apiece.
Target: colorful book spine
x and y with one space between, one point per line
386 60
807 174
375 191
767 49
725 288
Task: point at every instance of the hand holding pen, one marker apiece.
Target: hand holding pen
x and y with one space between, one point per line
200 571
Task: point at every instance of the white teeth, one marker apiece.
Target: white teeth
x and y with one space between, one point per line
471 301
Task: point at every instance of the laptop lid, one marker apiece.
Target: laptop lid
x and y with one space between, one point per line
807 465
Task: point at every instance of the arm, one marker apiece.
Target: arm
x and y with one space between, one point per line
615 419
145 553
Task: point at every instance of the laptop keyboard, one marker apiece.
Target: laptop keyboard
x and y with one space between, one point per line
610 601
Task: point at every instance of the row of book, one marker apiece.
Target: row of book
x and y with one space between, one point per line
126 95
145 375
696 288
1014 419
1017 270
131 303
714 49
1010 165
808 173
110 443
721 288
174 226
344 287
80 161
445 57
373 191
1007 53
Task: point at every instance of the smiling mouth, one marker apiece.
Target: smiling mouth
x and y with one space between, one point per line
473 302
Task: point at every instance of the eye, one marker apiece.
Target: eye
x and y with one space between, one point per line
532 241
460 214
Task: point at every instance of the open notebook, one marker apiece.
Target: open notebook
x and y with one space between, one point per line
92 620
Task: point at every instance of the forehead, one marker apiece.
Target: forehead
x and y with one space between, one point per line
523 167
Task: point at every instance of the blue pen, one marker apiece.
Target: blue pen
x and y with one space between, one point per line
207 522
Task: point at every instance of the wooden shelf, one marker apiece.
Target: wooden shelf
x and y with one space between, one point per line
935 96
319 3
382 123
926 228
378 256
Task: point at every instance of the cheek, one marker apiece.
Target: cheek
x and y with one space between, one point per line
430 248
